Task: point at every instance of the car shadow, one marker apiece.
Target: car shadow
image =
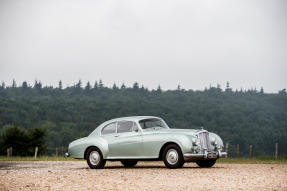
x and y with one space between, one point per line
150 167
5 165
161 167
27 165
18 165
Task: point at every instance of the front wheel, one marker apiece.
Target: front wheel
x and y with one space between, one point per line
95 158
205 163
129 163
172 156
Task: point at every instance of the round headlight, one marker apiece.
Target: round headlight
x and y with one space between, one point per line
212 140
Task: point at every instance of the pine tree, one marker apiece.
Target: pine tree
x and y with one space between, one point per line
24 85
282 92
37 85
135 86
228 89
101 85
123 86
159 89
143 89
79 84
96 85
60 85
3 85
218 87
14 85
261 90
88 86
115 87
178 87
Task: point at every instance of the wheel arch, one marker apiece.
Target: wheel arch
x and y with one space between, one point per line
165 145
86 150
97 142
102 150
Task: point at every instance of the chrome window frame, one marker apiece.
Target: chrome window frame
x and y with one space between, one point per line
160 119
135 124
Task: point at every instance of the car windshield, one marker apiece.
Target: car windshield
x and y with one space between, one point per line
152 123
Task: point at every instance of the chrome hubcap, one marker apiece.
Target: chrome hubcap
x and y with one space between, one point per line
94 157
172 156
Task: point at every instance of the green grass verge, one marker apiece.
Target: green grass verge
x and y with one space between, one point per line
41 158
257 160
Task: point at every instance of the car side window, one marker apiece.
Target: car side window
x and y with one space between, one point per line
109 129
125 126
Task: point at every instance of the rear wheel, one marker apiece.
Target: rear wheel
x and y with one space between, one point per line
206 163
129 163
95 158
172 156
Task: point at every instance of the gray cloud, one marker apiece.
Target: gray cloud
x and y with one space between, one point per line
192 43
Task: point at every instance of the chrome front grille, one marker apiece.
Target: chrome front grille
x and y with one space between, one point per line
204 141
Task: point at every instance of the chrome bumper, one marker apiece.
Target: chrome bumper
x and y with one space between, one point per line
222 154
219 154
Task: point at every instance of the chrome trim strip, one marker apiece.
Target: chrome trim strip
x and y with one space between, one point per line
191 155
219 154
132 157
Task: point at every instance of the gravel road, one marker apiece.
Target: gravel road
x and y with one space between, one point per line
75 175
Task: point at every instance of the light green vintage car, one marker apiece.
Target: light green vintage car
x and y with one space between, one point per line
132 139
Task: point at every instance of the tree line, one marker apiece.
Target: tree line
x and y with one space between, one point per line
59 115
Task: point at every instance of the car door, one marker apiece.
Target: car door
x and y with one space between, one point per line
109 133
127 142
151 140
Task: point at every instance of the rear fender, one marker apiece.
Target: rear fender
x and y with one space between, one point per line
78 147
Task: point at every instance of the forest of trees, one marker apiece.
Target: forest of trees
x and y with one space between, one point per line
63 114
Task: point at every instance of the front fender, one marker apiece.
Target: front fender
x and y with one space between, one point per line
183 141
217 138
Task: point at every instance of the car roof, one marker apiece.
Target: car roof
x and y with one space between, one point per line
137 118
130 118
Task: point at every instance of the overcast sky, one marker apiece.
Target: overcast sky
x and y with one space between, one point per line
191 43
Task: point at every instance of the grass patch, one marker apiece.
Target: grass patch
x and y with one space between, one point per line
257 160
41 158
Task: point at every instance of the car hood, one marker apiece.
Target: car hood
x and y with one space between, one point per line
173 131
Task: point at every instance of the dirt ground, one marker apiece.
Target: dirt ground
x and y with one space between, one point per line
75 175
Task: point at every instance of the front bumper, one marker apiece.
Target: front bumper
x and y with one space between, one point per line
205 155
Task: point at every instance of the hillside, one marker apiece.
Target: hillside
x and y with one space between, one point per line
239 117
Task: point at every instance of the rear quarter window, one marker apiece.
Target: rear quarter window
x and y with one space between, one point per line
109 129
